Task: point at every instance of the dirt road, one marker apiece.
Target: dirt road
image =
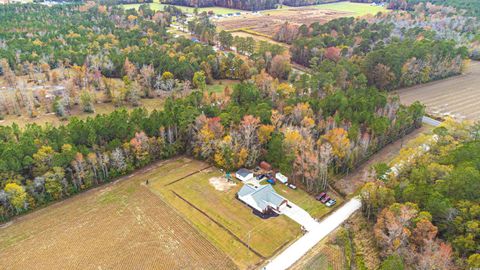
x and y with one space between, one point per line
458 97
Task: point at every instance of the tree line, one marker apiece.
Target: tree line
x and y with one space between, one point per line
262 119
392 50
427 215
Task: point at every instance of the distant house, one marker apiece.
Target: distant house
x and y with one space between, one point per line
263 199
281 178
244 175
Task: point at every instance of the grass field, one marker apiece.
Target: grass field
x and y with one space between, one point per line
358 9
158 6
219 85
305 201
122 225
221 218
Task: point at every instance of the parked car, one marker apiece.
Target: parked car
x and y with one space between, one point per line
331 203
260 176
292 186
320 196
271 181
325 199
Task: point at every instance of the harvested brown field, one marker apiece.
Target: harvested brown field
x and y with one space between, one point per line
266 23
122 225
457 97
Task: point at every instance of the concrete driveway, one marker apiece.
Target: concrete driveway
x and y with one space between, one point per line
316 232
300 216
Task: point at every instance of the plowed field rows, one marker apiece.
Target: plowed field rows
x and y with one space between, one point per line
458 97
268 23
119 226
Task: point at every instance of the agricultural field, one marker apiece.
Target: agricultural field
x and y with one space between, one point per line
120 225
186 213
266 23
457 97
326 255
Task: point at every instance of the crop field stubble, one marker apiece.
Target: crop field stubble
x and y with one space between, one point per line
122 225
267 23
458 97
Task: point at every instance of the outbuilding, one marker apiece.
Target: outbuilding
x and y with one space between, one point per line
244 175
265 166
281 178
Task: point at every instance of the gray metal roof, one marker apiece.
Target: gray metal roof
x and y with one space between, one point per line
243 172
261 197
246 190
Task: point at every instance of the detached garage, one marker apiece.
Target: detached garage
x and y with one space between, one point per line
244 175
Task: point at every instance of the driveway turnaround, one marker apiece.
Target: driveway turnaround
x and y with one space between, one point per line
316 231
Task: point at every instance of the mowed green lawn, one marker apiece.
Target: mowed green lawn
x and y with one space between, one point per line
238 228
158 6
315 208
358 8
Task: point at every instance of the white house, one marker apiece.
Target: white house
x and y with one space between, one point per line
281 178
263 199
244 175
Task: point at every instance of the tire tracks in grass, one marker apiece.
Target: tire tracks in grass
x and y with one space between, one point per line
186 176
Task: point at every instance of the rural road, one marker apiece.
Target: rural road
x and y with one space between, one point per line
316 232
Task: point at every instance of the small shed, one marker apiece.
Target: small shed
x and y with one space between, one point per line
281 178
244 175
265 166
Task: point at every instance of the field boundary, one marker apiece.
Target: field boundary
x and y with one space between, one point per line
186 176
113 181
220 225
248 30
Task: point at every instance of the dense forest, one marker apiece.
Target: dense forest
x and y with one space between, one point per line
293 120
470 7
432 200
392 50
246 4
100 38
235 4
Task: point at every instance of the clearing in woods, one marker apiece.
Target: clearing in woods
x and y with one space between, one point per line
228 223
185 218
121 225
457 97
267 23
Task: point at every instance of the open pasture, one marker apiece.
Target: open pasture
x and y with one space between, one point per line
457 97
359 9
118 226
